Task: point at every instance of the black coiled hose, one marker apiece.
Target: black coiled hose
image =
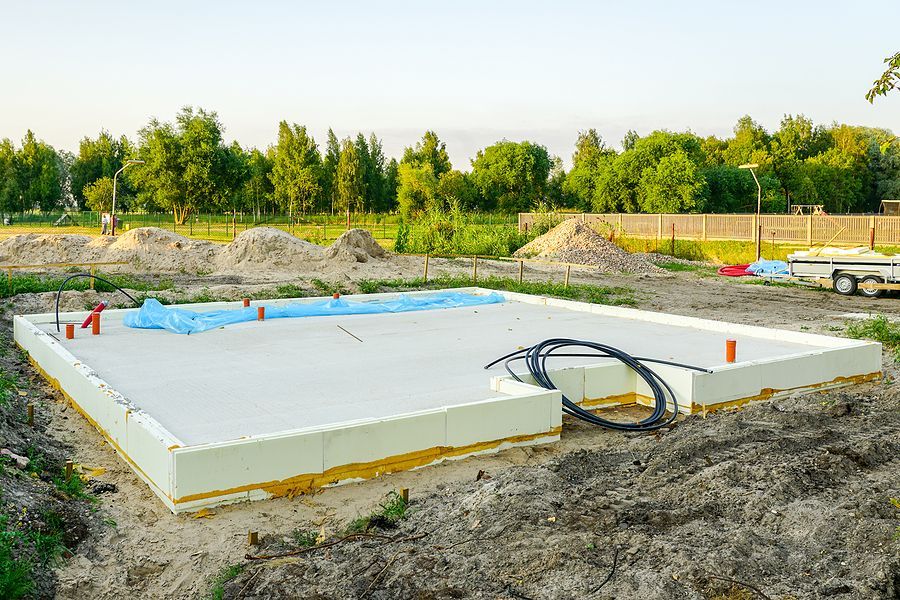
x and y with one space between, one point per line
76 276
536 357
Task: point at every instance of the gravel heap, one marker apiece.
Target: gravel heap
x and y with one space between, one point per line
574 242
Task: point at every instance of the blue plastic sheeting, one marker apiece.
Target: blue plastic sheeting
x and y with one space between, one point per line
153 315
768 267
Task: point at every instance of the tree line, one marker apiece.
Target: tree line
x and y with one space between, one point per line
188 168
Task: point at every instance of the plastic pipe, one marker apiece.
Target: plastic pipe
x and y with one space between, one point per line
730 350
70 331
261 313
95 323
97 309
246 302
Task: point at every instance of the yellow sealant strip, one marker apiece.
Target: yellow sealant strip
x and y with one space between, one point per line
308 482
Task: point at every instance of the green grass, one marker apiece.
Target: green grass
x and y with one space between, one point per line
720 252
678 267
8 386
616 296
33 283
386 516
73 486
327 288
879 329
22 551
305 538
217 591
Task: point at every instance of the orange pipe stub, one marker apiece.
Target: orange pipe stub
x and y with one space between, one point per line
261 313
246 302
70 331
336 296
730 350
95 323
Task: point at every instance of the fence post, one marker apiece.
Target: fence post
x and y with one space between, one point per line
568 270
93 271
474 267
425 274
521 269
872 234
809 230
658 227
703 236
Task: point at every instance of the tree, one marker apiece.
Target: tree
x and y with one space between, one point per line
391 184
349 179
258 188
9 180
455 188
431 152
40 175
329 168
99 193
510 176
296 169
185 164
591 156
750 144
417 188
375 177
365 170
98 158
889 80
673 186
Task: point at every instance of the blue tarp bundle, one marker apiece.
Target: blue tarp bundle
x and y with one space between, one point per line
153 315
768 267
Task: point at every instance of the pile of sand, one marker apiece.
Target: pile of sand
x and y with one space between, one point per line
266 247
156 249
355 245
574 242
39 248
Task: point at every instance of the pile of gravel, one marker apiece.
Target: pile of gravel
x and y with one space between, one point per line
574 242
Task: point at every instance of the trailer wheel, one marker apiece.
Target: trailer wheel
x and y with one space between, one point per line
845 284
871 293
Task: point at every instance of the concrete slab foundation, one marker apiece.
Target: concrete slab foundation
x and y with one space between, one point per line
281 407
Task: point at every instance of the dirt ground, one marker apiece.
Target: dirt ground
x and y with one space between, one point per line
783 499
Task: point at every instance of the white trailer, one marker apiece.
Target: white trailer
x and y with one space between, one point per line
869 273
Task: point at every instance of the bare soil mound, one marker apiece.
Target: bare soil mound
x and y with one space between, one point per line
573 241
156 249
267 247
355 245
40 248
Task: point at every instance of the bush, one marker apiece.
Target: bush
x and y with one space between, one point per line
455 232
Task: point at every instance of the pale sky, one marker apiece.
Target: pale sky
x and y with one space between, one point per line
475 72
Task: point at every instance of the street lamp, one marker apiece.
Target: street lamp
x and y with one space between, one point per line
127 164
752 166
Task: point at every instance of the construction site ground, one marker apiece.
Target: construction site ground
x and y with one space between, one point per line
788 498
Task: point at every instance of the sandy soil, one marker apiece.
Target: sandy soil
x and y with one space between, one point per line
790 497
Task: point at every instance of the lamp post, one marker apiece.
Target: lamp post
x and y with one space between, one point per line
127 164
752 166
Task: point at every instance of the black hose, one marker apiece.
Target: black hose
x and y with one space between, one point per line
77 275
536 357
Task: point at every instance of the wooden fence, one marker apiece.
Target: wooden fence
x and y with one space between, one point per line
797 229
